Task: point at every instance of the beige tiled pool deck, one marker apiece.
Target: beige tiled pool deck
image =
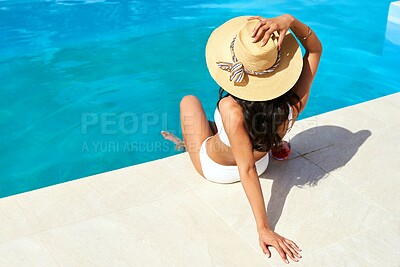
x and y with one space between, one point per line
337 197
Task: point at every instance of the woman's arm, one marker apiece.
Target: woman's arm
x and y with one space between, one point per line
232 117
312 45
311 59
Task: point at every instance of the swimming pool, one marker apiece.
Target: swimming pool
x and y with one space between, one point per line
88 85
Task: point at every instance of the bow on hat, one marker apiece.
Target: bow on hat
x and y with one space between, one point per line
237 69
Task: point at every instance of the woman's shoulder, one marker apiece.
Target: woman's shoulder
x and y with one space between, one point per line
230 110
228 104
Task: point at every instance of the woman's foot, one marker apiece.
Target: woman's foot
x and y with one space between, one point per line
179 144
281 151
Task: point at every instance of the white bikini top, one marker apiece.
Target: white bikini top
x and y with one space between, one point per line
221 131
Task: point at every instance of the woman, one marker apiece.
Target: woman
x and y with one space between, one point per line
258 62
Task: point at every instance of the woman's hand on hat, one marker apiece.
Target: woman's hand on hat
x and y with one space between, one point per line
285 247
266 27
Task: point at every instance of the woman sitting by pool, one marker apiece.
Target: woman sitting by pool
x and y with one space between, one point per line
257 62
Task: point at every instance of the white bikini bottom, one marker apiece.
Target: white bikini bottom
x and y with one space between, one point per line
218 173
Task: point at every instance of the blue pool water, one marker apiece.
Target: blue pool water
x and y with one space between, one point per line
86 86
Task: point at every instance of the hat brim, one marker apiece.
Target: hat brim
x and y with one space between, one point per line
253 88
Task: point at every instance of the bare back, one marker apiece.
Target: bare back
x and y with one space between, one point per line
220 152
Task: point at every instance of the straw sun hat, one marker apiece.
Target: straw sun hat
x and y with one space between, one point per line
246 69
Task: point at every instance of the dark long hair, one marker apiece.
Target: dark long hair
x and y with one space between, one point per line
262 118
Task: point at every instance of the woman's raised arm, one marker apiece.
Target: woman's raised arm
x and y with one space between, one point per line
311 59
265 28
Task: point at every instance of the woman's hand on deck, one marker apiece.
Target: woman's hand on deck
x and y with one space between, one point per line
267 26
284 246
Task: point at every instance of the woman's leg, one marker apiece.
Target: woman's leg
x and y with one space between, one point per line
179 144
195 128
